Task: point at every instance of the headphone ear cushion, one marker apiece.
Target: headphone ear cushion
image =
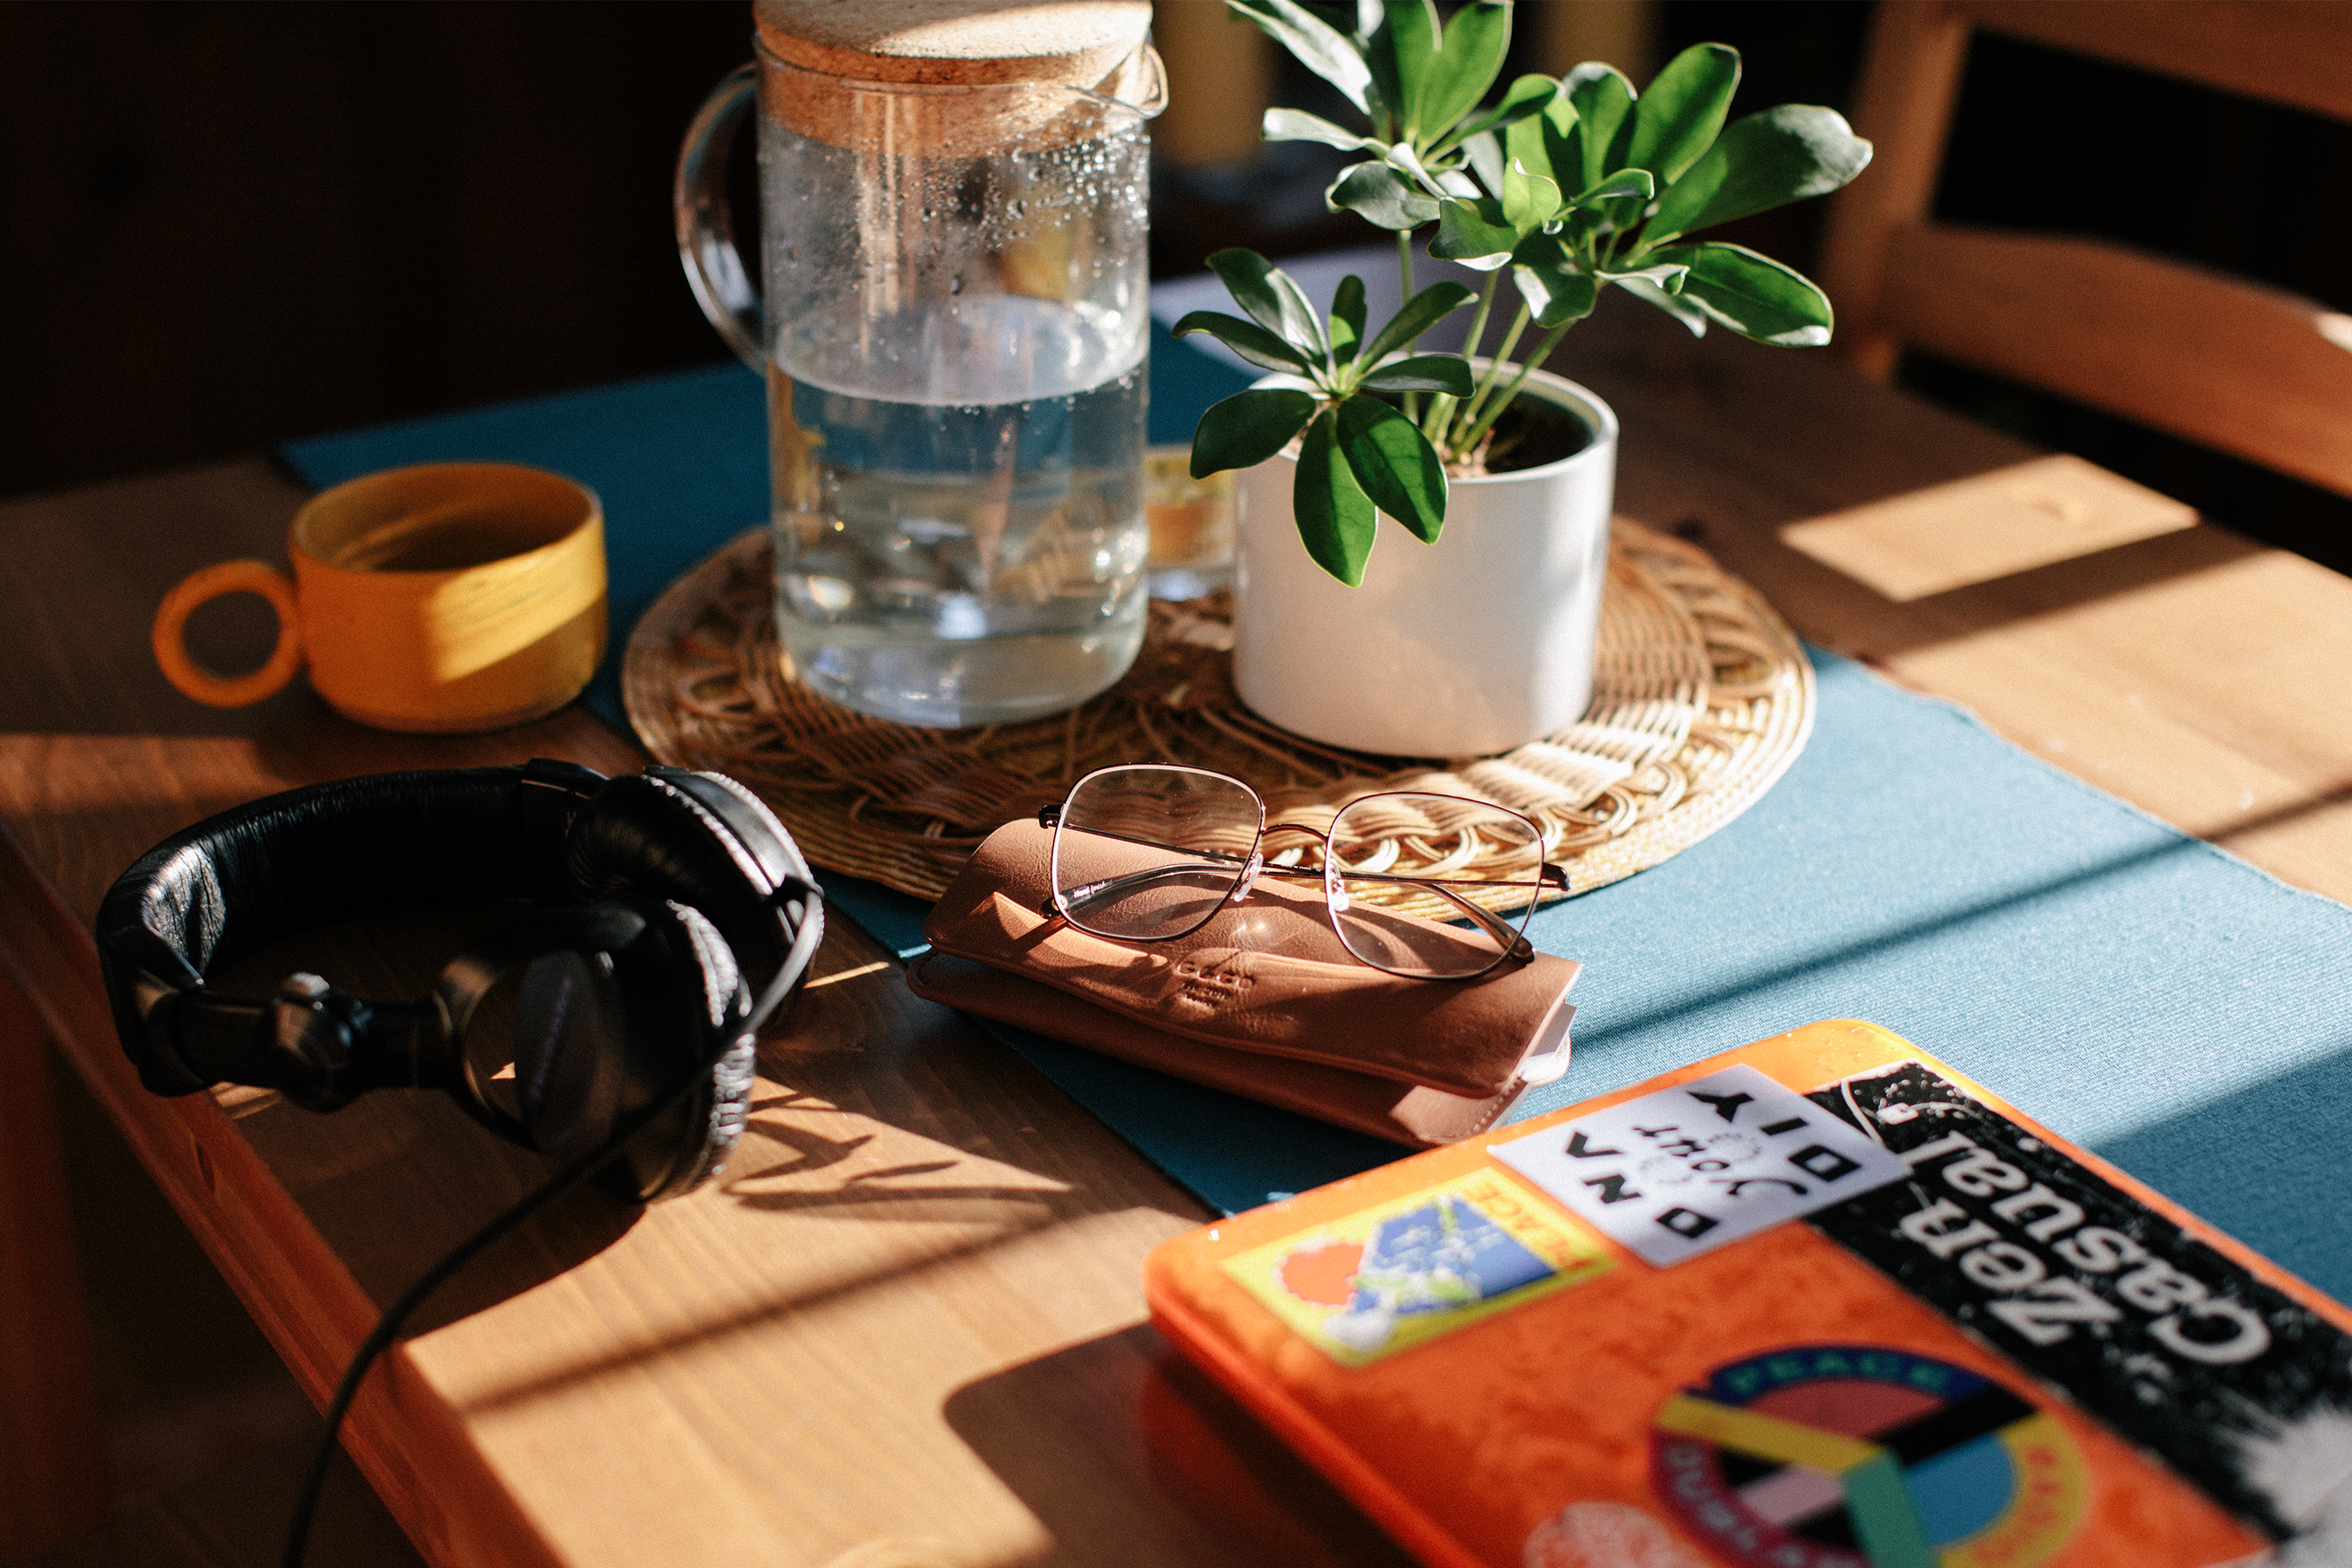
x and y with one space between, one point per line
601 1036
647 835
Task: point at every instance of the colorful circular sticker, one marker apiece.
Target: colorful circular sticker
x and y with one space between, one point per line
1865 1456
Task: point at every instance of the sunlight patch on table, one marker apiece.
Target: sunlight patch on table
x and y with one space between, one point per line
879 966
1986 526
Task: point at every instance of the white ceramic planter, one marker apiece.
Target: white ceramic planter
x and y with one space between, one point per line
1471 646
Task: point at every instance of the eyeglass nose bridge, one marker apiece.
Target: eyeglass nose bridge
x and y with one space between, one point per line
1249 878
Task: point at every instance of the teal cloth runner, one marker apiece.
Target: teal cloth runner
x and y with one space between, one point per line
2141 991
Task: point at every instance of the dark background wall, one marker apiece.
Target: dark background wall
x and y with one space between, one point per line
224 225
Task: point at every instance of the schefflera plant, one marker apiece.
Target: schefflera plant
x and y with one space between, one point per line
1648 169
1358 455
1570 185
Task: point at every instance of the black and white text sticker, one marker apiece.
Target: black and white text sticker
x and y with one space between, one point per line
1683 1171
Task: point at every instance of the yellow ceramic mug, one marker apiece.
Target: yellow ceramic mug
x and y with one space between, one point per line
452 596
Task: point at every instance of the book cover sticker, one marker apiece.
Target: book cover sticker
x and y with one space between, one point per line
1411 1270
2226 1380
1844 1456
1684 1170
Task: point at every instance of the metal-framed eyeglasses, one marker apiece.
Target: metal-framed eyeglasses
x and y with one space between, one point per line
1426 886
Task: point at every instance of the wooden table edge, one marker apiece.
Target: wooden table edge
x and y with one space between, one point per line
223 1193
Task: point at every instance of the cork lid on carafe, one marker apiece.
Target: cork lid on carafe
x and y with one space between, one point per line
1027 49
957 43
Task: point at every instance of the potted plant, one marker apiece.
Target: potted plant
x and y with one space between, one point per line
1483 640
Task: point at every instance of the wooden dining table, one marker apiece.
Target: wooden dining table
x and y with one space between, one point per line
907 1328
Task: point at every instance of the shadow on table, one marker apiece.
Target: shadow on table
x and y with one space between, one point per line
887 1148
357 1172
391 1215
1081 1434
2231 1158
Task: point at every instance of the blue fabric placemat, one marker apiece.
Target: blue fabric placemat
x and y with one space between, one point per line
2140 991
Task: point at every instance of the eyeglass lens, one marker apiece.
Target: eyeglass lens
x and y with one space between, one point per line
1150 853
1432 885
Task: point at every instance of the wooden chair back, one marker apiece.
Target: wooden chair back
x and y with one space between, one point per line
2251 370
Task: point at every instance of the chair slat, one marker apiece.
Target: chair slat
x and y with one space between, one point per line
1904 105
2297 52
2247 369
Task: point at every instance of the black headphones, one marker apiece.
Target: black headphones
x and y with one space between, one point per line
677 916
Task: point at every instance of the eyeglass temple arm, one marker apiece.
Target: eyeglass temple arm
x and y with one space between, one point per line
1051 907
1054 902
1548 876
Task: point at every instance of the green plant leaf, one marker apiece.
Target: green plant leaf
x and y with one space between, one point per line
1245 429
1467 62
1394 463
1454 183
1561 116
1420 312
1764 161
1484 153
1382 197
1524 147
1247 339
1624 183
1657 269
1319 47
1348 318
1539 143
1273 301
1555 294
1474 233
1398 53
1335 517
1754 295
1685 311
1423 373
1296 125
1406 162
1523 99
1529 200
1677 118
1603 101
1548 248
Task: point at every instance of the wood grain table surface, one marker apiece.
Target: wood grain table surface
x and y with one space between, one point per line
907 1329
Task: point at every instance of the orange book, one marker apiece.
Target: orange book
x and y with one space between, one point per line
1819 1302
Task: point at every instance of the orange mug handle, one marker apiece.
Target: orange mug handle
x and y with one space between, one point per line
210 583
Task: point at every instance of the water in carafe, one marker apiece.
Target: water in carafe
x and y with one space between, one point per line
960 514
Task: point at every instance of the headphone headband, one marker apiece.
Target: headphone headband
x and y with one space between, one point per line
251 875
681 890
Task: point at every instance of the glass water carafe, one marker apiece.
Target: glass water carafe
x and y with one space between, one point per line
953 328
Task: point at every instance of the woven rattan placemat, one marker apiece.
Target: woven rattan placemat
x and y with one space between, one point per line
1702 698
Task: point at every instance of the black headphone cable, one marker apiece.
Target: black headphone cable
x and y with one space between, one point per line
581 1169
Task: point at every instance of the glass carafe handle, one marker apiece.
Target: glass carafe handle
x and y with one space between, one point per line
706 227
